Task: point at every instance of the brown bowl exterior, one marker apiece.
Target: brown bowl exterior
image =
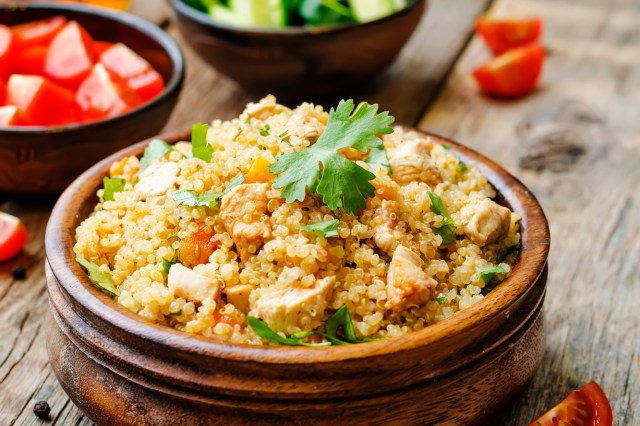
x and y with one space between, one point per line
46 160
299 63
454 371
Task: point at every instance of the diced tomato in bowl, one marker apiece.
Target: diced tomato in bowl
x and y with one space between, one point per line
30 60
41 102
8 116
6 51
70 56
38 33
101 96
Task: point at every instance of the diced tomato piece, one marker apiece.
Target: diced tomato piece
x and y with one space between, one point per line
13 236
588 406
30 60
38 33
99 47
514 73
6 51
506 34
135 70
3 93
100 96
70 56
8 116
40 101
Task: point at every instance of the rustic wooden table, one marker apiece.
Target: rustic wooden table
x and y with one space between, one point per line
575 142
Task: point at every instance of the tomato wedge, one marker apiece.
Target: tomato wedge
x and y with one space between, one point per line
30 60
70 56
3 92
138 74
6 51
8 116
38 33
514 73
41 102
587 406
99 96
506 34
13 236
99 47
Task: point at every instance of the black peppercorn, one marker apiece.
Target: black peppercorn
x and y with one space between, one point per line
18 272
42 410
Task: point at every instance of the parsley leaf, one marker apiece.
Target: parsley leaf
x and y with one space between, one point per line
264 331
167 264
488 275
152 153
448 228
191 198
100 278
322 169
326 229
200 148
111 186
441 298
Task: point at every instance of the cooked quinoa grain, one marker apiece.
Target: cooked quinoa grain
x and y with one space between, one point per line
204 269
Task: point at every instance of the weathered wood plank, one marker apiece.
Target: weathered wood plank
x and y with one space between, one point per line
581 134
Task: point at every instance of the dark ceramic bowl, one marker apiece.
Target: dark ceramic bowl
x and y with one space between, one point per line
299 63
122 369
46 159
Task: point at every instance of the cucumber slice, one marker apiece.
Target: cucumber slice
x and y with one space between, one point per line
370 10
251 13
225 15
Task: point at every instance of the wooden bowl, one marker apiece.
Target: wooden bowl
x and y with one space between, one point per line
299 63
121 369
46 159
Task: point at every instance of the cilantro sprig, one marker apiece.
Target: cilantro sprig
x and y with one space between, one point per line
191 198
200 148
488 275
322 169
326 229
103 280
153 152
111 186
448 228
168 263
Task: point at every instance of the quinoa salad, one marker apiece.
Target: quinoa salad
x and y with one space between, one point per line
298 227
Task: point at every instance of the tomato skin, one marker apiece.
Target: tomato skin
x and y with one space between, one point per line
587 406
8 116
13 236
99 47
70 56
99 96
514 73
41 102
30 60
6 51
38 33
501 35
3 93
148 85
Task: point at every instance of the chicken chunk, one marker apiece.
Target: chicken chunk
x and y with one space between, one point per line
238 296
412 162
187 283
282 309
385 234
407 283
485 222
243 212
157 179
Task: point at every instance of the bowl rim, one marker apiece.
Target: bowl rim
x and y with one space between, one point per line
168 44
535 244
203 19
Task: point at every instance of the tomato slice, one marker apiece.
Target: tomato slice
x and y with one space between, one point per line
506 34
3 93
587 406
99 96
38 33
514 73
30 60
8 116
99 47
13 236
6 51
70 56
139 75
41 102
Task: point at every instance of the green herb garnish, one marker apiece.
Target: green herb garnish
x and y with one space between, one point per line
445 147
322 169
378 156
237 180
176 313
190 198
448 228
174 237
326 229
512 249
200 148
284 135
461 167
265 130
166 263
111 186
103 280
342 320
488 275
441 299
263 330
152 153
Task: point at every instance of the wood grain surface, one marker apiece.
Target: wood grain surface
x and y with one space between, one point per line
575 143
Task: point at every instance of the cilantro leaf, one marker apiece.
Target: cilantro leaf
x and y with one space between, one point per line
461 167
152 153
448 228
190 198
111 186
167 264
326 229
378 156
237 180
200 148
441 298
264 331
265 130
342 320
103 280
321 168
488 275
